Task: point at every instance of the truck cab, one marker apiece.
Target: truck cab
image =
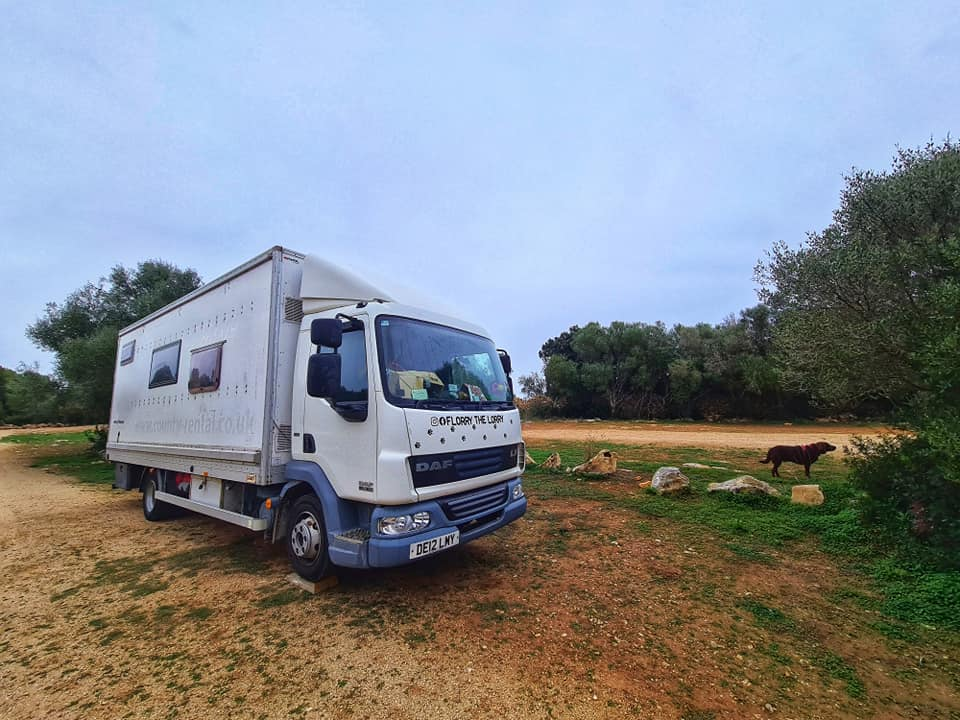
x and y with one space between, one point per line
408 416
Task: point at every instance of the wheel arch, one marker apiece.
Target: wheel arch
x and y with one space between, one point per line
307 477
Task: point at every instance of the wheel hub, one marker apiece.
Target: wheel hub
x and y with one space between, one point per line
305 538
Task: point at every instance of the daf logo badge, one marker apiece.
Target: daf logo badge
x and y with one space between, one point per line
434 466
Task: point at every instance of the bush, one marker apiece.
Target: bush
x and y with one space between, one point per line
538 406
911 495
98 439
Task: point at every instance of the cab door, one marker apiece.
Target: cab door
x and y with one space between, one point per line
339 433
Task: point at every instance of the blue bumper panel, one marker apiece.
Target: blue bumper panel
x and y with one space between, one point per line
392 551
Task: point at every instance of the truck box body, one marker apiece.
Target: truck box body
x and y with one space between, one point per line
240 429
294 397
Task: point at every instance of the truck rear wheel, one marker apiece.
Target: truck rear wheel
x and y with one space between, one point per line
153 509
307 538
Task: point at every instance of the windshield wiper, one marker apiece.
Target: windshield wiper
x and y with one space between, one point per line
436 404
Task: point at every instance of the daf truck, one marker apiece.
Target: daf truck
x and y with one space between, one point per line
293 397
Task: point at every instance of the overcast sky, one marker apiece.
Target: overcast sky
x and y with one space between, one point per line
534 165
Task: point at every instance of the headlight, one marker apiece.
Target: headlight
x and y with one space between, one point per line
403 524
518 491
521 456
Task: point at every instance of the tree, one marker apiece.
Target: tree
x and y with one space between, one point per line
618 370
562 345
82 330
860 305
31 397
532 385
870 308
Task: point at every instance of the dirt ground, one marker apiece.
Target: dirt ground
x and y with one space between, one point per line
576 611
703 435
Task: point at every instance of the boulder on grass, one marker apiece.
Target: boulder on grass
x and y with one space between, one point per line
806 495
669 480
603 463
744 484
552 462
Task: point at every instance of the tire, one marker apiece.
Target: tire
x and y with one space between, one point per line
307 538
153 509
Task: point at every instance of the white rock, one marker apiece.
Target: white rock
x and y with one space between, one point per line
743 484
669 480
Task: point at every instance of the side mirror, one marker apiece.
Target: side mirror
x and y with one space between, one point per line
326 332
323 375
505 361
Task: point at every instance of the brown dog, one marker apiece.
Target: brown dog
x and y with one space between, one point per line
804 455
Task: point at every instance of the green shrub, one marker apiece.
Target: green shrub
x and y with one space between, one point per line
98 439
911 495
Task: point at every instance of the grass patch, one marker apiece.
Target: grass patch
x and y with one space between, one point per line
278 599
54 438
493 610
836 667
768 617
242 556
86 468
895 631
915 594
162 613
66 453
749 553
200 613
130 575
110 637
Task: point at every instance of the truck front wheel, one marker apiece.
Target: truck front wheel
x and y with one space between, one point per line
307 538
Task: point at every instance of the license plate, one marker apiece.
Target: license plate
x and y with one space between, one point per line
434 545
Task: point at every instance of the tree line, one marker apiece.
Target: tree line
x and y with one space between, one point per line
641 370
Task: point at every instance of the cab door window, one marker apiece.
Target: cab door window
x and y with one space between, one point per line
351 398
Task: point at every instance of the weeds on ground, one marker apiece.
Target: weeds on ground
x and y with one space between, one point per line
910 590
66 453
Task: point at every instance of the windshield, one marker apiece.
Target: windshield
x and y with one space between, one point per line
427 365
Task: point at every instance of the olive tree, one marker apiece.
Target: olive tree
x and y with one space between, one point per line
82 330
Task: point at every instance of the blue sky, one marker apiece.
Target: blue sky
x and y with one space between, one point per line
533 165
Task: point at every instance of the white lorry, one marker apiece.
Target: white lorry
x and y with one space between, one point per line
292 397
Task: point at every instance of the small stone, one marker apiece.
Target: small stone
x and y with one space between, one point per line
645 484
806 495
769 708
529 460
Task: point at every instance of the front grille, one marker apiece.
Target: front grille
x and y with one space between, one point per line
429 470
475 502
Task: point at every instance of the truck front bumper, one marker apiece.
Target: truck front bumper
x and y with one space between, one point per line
472 514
